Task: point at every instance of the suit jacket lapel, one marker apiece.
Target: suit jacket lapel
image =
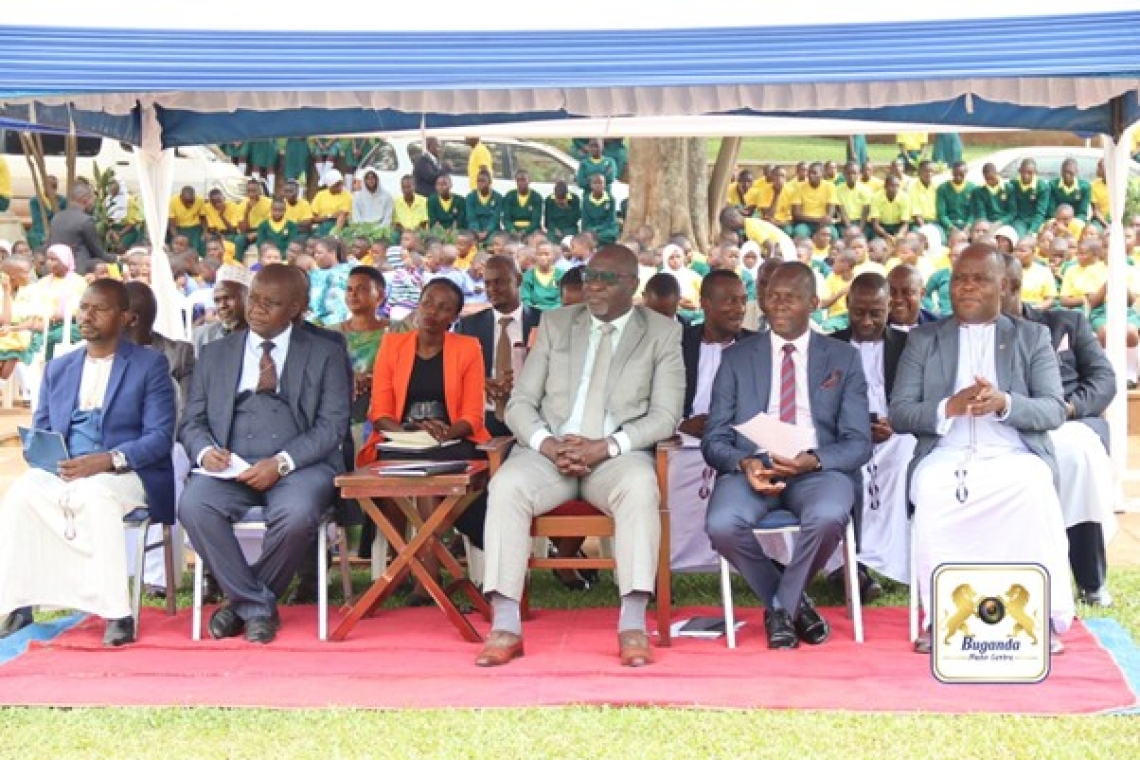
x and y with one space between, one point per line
762 369
579 342
118 369
66 397
819 363
293 373
892 350
486 332
631 337
947 355
1003 351
229 375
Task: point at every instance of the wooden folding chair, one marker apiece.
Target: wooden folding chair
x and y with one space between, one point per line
579 518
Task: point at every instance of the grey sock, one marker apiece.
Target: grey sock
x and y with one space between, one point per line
633 607
505 614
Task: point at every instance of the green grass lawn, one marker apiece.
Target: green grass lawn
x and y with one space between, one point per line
575 732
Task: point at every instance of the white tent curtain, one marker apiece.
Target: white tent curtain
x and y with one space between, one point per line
155 177
1116 298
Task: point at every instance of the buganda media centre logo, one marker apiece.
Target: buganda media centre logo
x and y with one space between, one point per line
990 623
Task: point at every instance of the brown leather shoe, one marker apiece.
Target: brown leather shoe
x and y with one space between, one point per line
922 643
634 649
499 649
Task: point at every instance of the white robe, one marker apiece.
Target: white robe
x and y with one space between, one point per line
1086 477
39 564
1011 511
884 544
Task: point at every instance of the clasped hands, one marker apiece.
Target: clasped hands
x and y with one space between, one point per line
770 481
85 466
977 400
500 390
573 455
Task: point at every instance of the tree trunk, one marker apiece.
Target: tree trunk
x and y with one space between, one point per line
668 188
721 175
34 155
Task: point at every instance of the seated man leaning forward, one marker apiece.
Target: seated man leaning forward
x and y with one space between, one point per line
805 379
602 385
980 392
61 536
277 397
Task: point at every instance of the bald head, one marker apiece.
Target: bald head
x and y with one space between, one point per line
978 284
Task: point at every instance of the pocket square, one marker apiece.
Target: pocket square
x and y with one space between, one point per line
831 380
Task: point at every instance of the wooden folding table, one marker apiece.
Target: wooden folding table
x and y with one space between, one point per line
366 485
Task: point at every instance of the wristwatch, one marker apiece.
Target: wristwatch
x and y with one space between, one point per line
818 461
119 462
612 447
283 467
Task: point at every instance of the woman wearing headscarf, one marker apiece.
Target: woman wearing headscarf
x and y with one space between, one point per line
60 292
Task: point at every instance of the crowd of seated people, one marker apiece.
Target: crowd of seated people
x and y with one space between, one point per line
871 315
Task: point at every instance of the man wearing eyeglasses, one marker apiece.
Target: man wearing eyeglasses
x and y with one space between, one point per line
602 385
980 392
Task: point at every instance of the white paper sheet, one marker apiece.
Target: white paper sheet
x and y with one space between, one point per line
776 437
237 467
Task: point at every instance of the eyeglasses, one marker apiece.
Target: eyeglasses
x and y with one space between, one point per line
600 275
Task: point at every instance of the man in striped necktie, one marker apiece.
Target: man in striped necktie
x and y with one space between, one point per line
804 379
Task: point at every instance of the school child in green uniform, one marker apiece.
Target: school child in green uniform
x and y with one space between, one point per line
238 153
296 158
954 201
563 213
277 229
352 151
599 212
484 208
263 162
522 207
540 286
324 151
947 148
37 235
614 148
991 200
1070 189
445 209
857 149
1029 199
595 163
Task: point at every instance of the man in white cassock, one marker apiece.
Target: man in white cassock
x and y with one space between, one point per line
981 392
883 527
1081 444
61 531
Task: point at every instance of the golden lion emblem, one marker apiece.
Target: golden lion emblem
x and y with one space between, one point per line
965 604
1015 600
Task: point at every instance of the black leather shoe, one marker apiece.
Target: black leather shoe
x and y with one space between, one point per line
781 632
225 623
17 620
119 632
1096 597
211 591
869 588
305 591
810 626
261 630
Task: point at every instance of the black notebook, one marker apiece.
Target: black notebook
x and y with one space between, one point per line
423 469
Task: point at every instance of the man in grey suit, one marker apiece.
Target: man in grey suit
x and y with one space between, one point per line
278 397
602 385
1081 444
981 392
74 227
811 381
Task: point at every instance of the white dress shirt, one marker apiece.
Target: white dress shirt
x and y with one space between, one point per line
707 366
573 424
871 354
93 382
800 361
251 358
514 334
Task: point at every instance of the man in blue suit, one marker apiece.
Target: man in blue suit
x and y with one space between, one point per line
811 381
61 535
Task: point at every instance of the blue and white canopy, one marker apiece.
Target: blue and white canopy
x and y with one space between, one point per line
213 71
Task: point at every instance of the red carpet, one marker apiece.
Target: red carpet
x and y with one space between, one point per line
413 658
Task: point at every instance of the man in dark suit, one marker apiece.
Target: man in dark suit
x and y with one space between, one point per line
723 301
428 168
61 533
906 312
981 392
881 524
1081 444
504 332
75 227
277 397
804 379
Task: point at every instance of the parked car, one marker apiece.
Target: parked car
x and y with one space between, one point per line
202 167
394 157
1048 158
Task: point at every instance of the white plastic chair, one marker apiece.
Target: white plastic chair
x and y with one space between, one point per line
782 521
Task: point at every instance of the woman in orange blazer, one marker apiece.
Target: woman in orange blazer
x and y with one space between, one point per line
432 379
